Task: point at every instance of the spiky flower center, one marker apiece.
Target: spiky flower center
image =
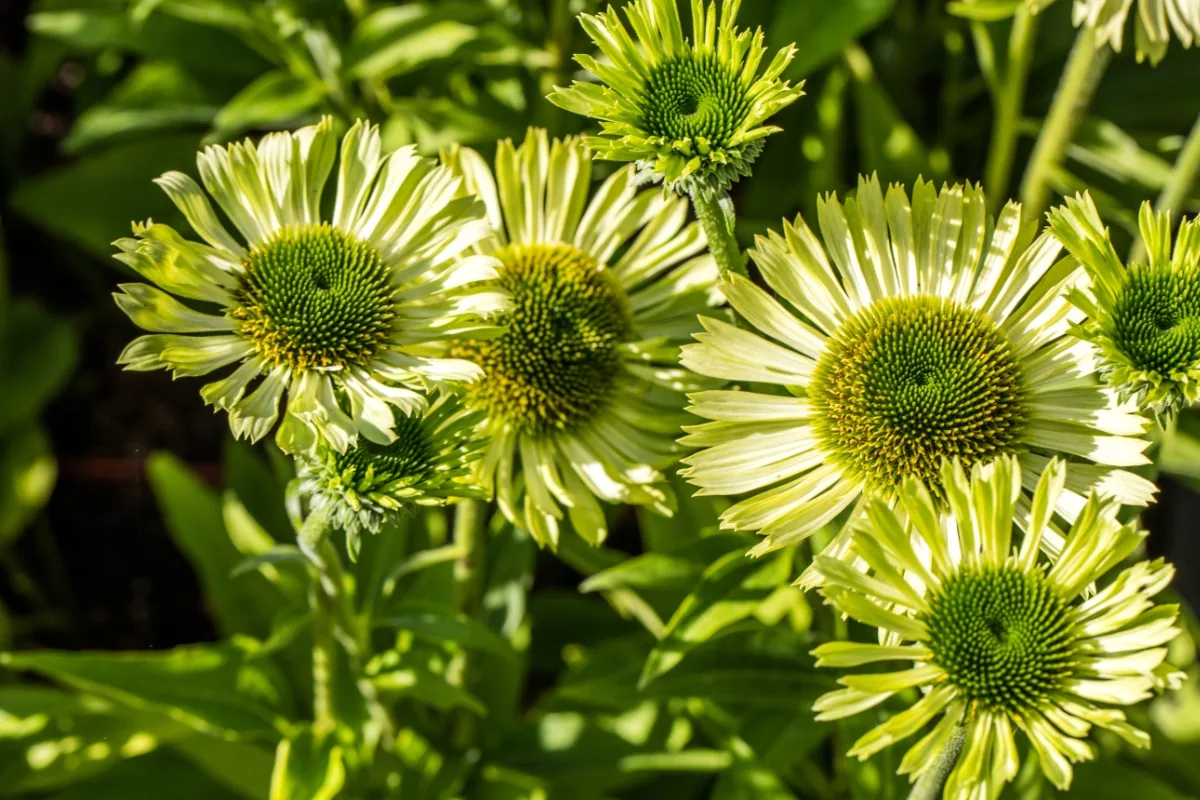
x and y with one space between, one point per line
910 380
1156 318
694 97
312 296
1003 636
555 364
408 459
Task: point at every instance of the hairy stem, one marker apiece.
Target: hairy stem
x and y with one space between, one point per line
471 541
1009 101
1081 75
470 578
313 539
716 218
1178 187
930 785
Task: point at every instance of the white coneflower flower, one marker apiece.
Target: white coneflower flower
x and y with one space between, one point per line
338 313
1156 20
997 639
583 389
1144 318
430 461
690 113
919 331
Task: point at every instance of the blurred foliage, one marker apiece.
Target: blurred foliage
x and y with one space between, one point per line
678 669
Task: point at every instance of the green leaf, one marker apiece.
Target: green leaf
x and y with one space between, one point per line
422 559
889 145
440 624
426 686
93 200
50 739
737 677
279 554
696 760
27 473
243 767
276 99
1113 780
379 555
37 355
398 39
729 591
152 776
985 10
193 515
822 30
498 783
695 516
308 767
677 569
217 689
290 623
1110 151
750 782
153 97
260 489
158 37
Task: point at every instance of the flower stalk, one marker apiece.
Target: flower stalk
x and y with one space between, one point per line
1009 102
715 214
931 784
1084 68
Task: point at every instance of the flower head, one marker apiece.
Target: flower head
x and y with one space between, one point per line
920 331
1144 318
1156 19
336 312
998 639
430 461
583 389
690 113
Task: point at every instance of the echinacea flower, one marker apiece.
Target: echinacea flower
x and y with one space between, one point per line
1156 20
583 389
336 313
430 462
917 332
691 113
1144 318
997 639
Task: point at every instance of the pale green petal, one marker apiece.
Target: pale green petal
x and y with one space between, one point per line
155 310
904 724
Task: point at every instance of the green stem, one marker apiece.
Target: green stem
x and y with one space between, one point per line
313 539
717 223
470 579
1178 187
323 660
1009 100
1081 75
930 785
471 541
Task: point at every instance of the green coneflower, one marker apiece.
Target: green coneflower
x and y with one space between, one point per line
927 332
1144 318
583 388
340 313
1156 19
431 460
998 640
690 113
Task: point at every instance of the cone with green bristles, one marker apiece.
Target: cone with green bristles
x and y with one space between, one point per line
1143 318
999 637
690 113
